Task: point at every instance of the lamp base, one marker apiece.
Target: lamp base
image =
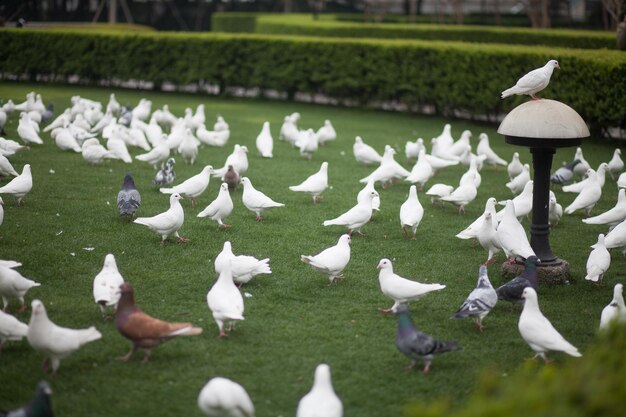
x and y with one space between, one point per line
556 272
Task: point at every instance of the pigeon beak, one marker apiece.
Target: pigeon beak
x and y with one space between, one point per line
378 266
558 66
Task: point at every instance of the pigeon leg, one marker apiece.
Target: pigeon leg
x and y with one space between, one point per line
404 232
22 307
182 239
126 357
224 226
410 366
258 218
45 365
222 334
19 201
461 209
385 310
414 233
534 97
193 201
426 368
146 355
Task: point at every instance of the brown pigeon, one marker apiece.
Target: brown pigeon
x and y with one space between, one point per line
231 178
144 331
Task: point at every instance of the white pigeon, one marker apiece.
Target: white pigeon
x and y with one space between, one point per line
192 187
461 145
94 153
516 185
113 105
472 172
27 132
437 191
225 301
289 131
220 208
483 148
142 110
1 211
265 141
615 310
512 236
399 289
212 137
588 197
598 261
581 168
621 181
440 151
64 140
439 163
523 203
6 168
11 329
471 231
307 143
357 217
515 167
118 147
106 285
364 153
363 195
188 148
255 200
321 401
464 194
315 184
238 159
616 238
10 264
168 222
10 147
243 267
537 330
411 213
326 133
331 261
221 397
616 164
220 125
487 236
577 187
421 172
153 132
389 170
55 342
613 216
480 301
199 117
3 119
19 186
533 82
412 149
555 210
157 155
445 139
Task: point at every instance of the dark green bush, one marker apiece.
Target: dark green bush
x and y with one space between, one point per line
451 76
329 26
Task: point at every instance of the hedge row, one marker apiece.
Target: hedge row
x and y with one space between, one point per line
305 25
449 76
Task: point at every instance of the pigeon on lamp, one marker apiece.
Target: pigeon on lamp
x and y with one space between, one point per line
417 345
168 222
145 332
265 142
255 200
613 216
555 210
238 159
483 148
225 301
515 167
315 184
399 289
326 133
231 177
516 185
166 175
128 198
480 301
221 397
11 329
512 290
471 231
220 208
512 236
564 174
364 153
411 213
157 155
55 342
598 261
14 285
106 285
322 399
94 153
588 197
357 217
616 164
193 186
39 407
243 267
580 169
615 310
6 168
537 330
19 186
364 195
533 82
331 261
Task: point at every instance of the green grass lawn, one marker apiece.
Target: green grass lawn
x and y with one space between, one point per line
294 320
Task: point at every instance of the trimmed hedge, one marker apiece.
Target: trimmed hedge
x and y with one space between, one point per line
305 25
449 76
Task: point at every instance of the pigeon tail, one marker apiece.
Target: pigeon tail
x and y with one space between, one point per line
263 267
189 330
307 259
88 335
442 346
128 207
510 91
167 190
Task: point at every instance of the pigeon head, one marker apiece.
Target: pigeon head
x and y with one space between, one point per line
38 309
128 182
322 377
553 63
358 139
224 187
530 295
483 277
245 181
385 264
600 239
127 297
345 239
175 197
617 290
324 167
531 262
208 169
228 248
170 163
109 261
491 203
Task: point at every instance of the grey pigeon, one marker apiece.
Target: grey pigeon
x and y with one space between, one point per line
128 199
480 301
126 116
564 174
166 175
231 177
39 407
48 114
415 344
512 290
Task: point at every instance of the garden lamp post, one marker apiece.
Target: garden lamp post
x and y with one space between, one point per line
543 125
